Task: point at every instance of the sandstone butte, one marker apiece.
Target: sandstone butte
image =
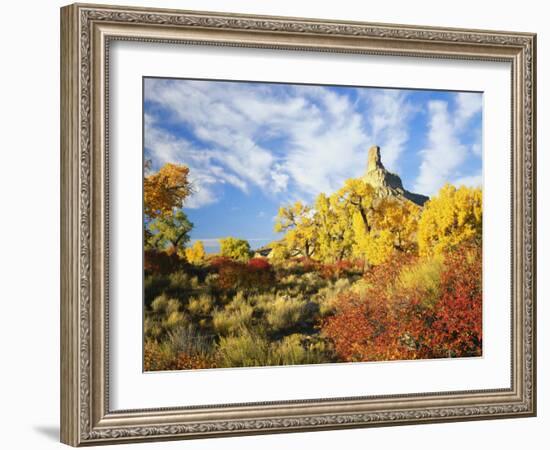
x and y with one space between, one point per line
385 183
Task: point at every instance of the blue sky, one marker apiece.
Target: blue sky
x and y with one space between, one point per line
252 147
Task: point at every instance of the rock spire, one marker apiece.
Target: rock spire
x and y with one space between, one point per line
387 184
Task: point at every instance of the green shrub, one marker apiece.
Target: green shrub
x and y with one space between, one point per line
159 304
234 317
166 312
319 349
306 284
424 278
301 349
162 357
249 349
152 329
244 350
311 282
211 281
172 306
157 356
190 340
200 306
299 266
154 285
182 281
285 313
290 280
342 284
361 287
262 301
164 306
174 319
327 297
289 351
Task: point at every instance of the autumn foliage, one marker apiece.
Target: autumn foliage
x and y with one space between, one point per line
339 269
161 262
156 358
352 223
237 249
355 276
451 217
457 325
165 190
392 322
196 254
235 274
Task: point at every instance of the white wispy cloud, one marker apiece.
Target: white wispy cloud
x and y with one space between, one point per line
467 105
446 148
390 112
205 172
475 180
325 135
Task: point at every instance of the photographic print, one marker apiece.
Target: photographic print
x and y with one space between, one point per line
289 224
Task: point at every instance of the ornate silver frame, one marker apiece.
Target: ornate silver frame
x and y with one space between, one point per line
86 31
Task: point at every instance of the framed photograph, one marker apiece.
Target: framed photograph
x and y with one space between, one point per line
277 224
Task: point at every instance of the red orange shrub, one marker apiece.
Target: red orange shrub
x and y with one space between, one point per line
259 264
234 274
300 265
160 262
344 267
219 261
230 274
457 325
154 358
390 322
259 273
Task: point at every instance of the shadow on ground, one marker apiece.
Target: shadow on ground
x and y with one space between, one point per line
51 432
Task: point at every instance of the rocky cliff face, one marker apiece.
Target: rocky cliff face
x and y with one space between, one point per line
386 183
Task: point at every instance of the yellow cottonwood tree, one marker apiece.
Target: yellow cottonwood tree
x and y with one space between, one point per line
358 196
301 231
196 253
279 251
334 228
235 248
451 217
165 190
380 225
373 246
400 219
351 222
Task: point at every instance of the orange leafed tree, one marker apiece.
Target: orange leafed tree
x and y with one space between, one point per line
165 190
